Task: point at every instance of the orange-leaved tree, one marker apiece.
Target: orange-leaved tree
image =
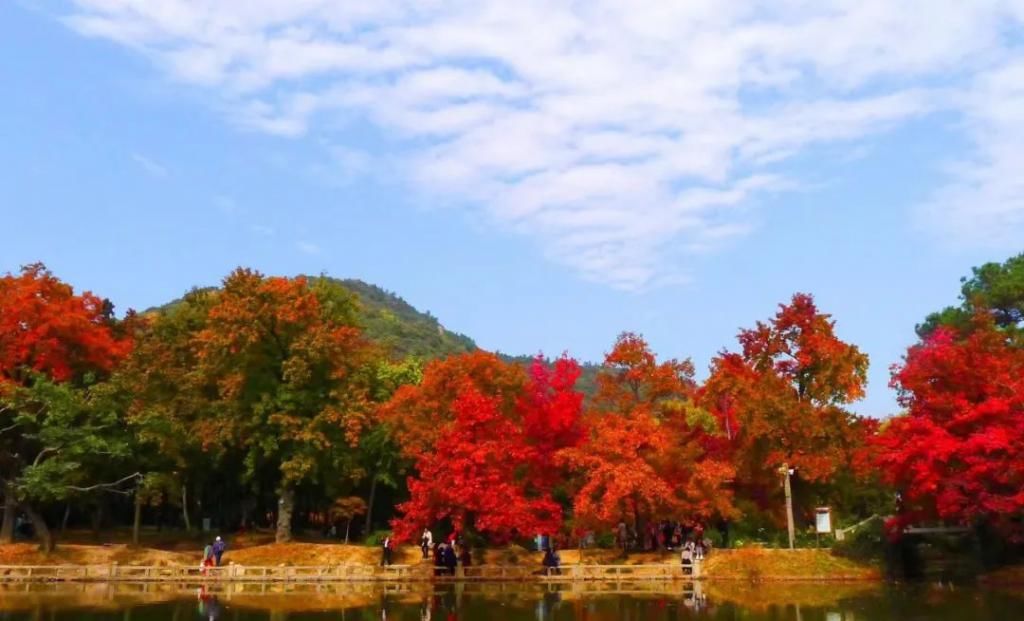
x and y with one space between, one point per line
647 453
781 400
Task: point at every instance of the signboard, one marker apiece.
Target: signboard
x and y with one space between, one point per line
823 520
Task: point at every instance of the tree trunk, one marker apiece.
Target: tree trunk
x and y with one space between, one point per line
137 523
285 506
10 508
348 525
369 506
67 516
184 507
97 519
43 533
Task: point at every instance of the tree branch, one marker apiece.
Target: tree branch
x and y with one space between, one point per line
107 486
45 451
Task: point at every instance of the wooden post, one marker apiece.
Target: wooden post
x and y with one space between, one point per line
786 472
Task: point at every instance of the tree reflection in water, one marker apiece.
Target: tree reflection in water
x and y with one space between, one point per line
500 601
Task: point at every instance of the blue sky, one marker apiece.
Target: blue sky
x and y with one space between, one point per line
539 177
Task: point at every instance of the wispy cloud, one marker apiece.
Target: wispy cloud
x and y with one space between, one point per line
149 165
617 134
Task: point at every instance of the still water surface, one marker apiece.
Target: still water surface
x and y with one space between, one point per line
483 602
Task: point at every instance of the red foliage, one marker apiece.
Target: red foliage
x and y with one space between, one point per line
46 328
484 437
958 452
471 477
551 411
417 415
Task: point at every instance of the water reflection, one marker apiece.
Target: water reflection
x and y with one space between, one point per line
516 602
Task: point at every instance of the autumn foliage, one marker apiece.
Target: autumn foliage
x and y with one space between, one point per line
781 400
648 451
54 344
46 328
484 449
266 395
957 453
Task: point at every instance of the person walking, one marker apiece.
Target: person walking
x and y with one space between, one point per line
450 559
439 568
686 557
552 562
386 550
426 543
218 549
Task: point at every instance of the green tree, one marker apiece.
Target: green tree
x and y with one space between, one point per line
169 407
291 373
994 288
69 439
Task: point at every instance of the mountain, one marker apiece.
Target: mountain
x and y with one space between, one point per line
406 331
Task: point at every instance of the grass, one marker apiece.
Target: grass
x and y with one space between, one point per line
759 564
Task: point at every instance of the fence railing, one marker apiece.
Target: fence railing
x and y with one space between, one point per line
341 573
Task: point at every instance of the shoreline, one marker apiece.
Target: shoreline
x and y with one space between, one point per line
395 574
320 563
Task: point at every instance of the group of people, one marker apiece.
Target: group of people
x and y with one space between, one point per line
213 553
447 555
665 535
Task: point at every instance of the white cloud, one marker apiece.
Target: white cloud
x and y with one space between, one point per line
150 166
983 203
615 133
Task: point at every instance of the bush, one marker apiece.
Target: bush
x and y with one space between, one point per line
376 538
604 540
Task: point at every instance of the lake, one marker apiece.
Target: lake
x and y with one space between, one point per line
521 602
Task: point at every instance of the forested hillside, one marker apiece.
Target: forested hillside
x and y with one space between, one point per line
406 331
390 321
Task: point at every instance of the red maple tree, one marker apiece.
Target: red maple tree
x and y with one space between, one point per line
46 328
472 477
484 436
957 454
552 417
